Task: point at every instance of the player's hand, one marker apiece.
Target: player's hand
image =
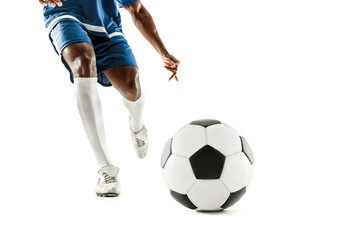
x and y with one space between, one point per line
171 64
52 3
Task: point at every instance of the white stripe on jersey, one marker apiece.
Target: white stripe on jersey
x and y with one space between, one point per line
54 41
116 34
90 27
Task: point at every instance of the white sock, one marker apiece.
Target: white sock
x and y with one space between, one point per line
135 109
89 107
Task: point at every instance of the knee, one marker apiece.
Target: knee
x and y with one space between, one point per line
132 89
84 66
80 58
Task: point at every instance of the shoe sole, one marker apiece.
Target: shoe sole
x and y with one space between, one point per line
107 194
141 156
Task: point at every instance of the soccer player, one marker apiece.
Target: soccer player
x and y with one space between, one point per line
88 36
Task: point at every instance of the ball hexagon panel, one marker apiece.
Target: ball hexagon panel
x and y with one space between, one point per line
188 140
237 172
178 174
224 139
229 126
207 163
208 195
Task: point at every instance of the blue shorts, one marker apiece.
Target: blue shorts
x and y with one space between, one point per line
110 52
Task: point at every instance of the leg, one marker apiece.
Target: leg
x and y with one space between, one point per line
126 80
80 58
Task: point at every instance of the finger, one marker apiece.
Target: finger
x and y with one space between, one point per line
170 69
174 74
51 3
176 64
42 2
171 62
58 2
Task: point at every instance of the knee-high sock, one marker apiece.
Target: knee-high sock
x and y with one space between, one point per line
136 109
89 107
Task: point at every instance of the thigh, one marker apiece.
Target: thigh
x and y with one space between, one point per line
111 52
67 32
125 78
73 43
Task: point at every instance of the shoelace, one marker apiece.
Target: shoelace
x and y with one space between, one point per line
138 142
108 179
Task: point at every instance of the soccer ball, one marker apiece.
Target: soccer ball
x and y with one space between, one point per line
207 165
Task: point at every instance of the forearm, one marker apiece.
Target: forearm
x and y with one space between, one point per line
144 22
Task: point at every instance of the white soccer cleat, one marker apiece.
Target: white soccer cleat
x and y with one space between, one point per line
140 141
108 185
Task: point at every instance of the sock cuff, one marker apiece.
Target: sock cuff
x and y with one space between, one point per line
138 101
85 79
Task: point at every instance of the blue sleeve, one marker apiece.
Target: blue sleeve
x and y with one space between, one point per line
125 2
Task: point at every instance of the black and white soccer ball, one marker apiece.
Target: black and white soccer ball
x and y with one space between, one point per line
207 165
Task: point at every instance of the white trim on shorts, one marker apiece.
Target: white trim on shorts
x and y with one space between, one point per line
90 27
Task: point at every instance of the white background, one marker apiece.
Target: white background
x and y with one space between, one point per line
285 74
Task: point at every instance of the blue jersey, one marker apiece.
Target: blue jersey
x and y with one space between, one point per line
100 17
